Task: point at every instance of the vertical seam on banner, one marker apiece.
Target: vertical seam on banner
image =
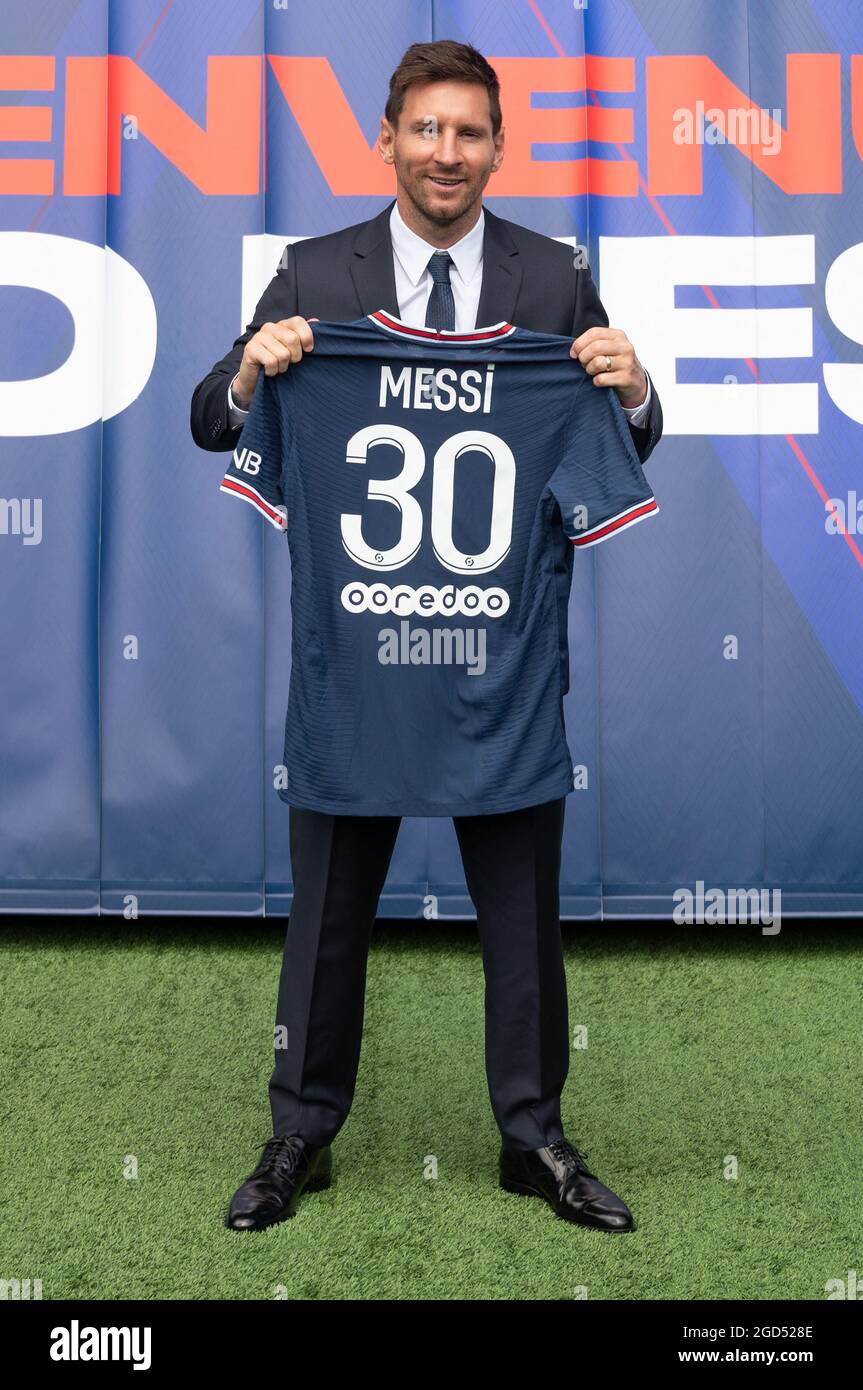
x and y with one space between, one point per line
262 102
588 92
99 702
584 20
263 761
758 449
598 728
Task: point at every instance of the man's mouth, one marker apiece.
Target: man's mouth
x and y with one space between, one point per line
444 183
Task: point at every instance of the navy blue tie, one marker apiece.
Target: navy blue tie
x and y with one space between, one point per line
440 312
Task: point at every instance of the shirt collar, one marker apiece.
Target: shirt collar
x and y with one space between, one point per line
413 252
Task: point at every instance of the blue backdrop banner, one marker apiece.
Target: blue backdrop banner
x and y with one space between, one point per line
157 157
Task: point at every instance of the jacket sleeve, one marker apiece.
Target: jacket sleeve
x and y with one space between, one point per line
209 412
590 313
255 472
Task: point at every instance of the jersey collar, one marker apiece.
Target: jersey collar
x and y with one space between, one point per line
399 329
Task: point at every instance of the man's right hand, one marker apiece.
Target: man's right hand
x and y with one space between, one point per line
274 347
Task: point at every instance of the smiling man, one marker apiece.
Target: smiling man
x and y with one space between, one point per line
435 260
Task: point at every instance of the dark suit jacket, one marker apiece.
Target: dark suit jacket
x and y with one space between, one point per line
527 279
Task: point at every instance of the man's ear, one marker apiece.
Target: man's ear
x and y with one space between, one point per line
386 134
499 149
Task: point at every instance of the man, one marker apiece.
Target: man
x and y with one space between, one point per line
434 257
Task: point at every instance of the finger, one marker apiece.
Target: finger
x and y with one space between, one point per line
599 364
619 379
300 327
303 329
598 351
272 355
602 348
285 343
600 333
291 331
261 355
587 337
282 345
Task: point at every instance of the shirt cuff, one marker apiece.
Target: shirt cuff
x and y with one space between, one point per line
236 414
637 414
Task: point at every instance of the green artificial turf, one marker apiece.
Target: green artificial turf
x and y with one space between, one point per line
154 1039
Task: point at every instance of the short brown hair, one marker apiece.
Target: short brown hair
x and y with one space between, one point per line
442 61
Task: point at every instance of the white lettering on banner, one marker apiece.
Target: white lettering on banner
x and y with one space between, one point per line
643 304
843 295
639 276
115 325
114 346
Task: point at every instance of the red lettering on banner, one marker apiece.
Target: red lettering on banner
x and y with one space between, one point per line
351 166
521 176
809 157
857 101
26 73
221 158
332 132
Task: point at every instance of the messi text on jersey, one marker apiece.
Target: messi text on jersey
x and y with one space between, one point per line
441 388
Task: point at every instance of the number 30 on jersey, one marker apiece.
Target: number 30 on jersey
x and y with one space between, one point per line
397 492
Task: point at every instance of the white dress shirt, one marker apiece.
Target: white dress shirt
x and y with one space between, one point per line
414 285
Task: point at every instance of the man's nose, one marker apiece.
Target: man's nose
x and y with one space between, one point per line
447 151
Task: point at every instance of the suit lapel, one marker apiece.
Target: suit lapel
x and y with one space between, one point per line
501 274
375 282
372 268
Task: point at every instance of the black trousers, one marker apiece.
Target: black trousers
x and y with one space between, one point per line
512 869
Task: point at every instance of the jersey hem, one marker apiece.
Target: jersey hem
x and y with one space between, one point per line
246 493
615 524
425 809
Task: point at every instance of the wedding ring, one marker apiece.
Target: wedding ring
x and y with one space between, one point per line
607 363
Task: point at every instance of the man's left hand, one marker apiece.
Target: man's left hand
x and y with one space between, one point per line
623 371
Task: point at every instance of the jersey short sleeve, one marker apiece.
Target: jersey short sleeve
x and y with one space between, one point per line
599 483
255 472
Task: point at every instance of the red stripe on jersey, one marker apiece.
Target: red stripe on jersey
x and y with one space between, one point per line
230 485
478 335
650 506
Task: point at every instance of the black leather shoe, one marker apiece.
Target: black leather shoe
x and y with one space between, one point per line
288 1166
558 1174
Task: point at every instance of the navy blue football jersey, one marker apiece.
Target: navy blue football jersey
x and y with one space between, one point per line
433 487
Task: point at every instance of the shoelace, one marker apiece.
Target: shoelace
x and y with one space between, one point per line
280 1153
568 1154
